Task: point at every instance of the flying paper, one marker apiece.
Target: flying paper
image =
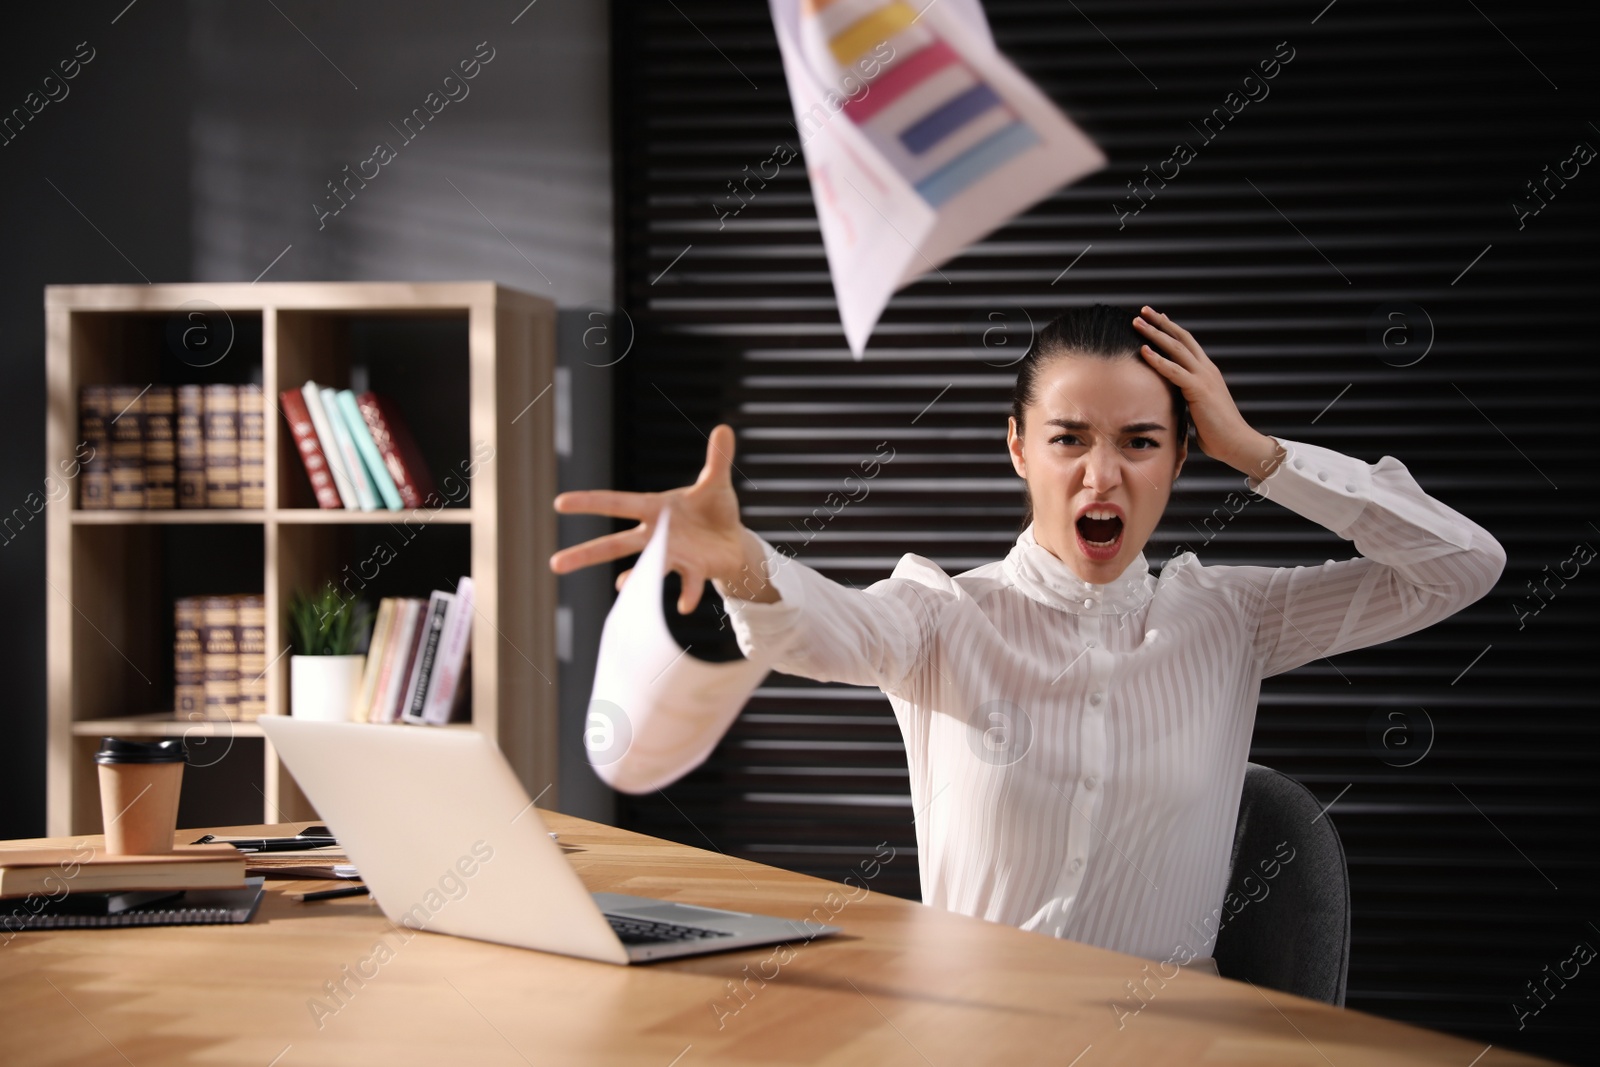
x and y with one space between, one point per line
920 138
655 709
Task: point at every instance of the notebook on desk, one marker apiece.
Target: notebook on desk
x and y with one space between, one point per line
191 907
447 840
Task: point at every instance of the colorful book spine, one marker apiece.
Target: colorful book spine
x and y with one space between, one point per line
309 448
361 702
427 653
221 429
366 495
94 412
371 459
127 446
189 673
397 660
330 446
252 447
219 636
191 447
252 608
160 447
449 662
399 451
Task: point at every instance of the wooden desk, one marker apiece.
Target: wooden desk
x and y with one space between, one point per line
904 984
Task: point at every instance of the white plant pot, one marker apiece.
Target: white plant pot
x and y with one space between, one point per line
322 687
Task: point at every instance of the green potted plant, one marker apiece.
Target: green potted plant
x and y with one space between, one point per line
326 632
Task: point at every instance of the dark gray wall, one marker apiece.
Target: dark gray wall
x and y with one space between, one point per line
193 146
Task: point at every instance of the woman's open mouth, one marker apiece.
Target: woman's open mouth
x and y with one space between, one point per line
1099 534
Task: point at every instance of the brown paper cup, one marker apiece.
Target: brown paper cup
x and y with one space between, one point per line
139 806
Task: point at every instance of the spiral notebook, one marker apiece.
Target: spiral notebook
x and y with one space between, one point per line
191 907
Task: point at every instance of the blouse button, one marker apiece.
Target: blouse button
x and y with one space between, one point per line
1089 602
1349 488
1090 782
1076 865
1299 464
1322 476
1095 698
1089 643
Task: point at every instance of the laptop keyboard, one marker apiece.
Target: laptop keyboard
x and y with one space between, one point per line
645 932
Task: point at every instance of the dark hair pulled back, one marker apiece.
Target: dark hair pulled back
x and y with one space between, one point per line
1101 331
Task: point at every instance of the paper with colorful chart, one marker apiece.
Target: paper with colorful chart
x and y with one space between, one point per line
919 137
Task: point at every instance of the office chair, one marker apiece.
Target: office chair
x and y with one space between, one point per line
1285 925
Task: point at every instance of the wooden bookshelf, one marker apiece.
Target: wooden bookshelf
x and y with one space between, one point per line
464 362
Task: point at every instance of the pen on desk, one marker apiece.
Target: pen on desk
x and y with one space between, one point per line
332 894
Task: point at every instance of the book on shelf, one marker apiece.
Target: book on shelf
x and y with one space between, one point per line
219 640
444 686
94 403
427 652
360 480
252 447
191 442
189 671
220 657
416 662
361 701
312 393
127 447
391 660
359 448
399 450
221 428
312 457
49 871
371 461
160 447
252 642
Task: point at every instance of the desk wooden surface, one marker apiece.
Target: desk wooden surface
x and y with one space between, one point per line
903 984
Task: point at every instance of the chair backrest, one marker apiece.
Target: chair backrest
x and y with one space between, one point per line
1286 919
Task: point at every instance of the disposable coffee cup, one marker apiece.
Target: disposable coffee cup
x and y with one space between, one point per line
139 785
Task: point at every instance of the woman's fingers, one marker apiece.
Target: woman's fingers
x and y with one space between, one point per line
612 502
622 579
719 456
600 550
694 584
1177 331
1164 342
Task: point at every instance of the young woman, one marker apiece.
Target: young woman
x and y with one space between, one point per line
1077 728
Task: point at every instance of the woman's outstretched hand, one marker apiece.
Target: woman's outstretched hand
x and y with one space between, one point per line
1220 429
704 541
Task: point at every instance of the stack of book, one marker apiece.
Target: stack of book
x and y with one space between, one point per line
165 446
417 659
220 657
52 888
83 869
356 450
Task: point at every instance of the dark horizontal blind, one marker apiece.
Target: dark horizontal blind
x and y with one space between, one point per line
1360 254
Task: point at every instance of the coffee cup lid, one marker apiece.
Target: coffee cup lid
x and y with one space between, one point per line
118 750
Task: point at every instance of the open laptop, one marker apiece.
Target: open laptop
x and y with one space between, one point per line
447 840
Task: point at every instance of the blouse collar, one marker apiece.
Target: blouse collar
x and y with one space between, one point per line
1041 576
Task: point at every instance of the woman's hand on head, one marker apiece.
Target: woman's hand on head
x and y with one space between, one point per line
1219 427
704 541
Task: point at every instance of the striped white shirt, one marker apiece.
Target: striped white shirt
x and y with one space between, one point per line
1077 750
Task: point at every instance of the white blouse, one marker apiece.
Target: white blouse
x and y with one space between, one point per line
1077 751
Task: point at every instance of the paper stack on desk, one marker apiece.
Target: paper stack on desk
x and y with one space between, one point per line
919 137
